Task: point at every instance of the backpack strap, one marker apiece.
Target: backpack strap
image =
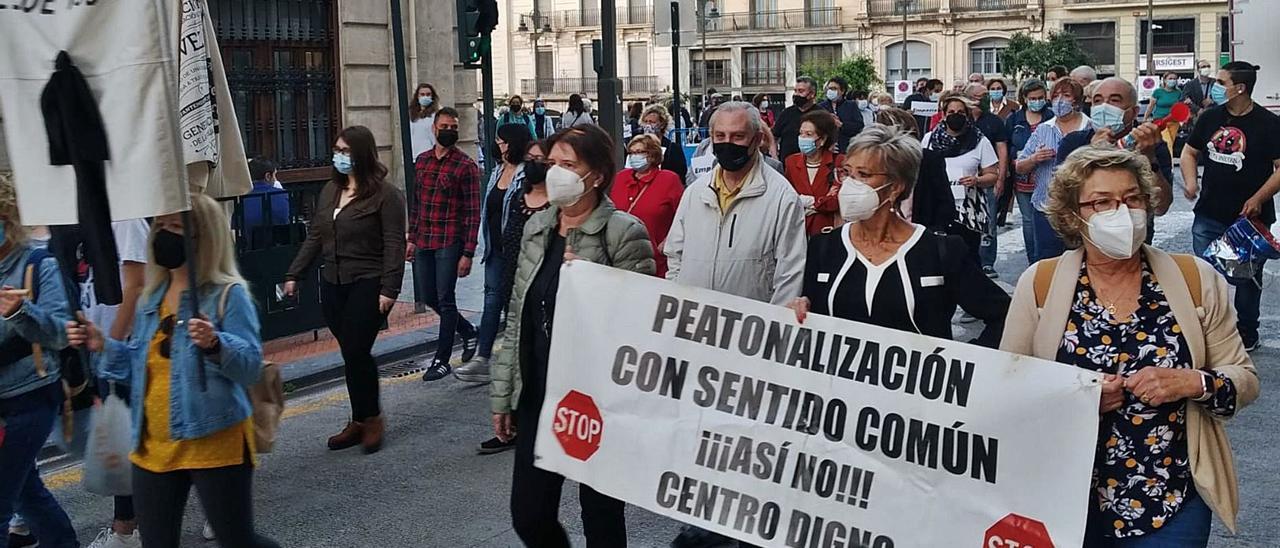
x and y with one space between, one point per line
31 282
1044 277
1190 273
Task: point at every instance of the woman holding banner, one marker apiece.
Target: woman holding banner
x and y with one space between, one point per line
878 268
1162 331
582 223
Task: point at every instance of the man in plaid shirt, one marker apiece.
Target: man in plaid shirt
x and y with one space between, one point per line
443 222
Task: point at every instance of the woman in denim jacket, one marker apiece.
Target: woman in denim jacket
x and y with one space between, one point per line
188 432
30 392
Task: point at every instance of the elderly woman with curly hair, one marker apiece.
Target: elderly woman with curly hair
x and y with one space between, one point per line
656 120
1161 331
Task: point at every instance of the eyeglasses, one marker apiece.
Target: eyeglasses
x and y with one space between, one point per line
342 150
1134 201
865 175
166 332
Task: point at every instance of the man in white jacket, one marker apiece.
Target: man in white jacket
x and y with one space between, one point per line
740 228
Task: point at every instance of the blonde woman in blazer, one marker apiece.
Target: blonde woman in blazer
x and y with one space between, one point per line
1173 364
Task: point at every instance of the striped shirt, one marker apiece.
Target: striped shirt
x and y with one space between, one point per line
1047 135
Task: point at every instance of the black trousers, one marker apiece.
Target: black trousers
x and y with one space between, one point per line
535 499
351 310
226 494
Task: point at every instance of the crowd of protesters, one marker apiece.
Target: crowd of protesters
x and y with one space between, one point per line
839 204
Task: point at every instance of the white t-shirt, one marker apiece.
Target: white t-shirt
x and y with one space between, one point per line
131 243
969 164
423 134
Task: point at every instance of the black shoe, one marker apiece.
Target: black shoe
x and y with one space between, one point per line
1251 341
437 371
493 446
694 537
22 541
469 346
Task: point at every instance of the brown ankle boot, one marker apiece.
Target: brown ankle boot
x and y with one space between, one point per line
371 437
348 437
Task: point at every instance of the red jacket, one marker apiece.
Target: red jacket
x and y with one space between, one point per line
653 198
826 182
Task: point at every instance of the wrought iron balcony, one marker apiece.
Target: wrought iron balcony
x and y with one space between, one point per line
965 6
537 23
626 15
1114 3
566 86
892 8
813 18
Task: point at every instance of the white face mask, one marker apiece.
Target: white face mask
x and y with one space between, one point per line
858 201
564 187
862 104
1117 233
764 105
1206 72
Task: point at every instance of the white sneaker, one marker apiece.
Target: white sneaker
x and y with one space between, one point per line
476 371
207 532
109 539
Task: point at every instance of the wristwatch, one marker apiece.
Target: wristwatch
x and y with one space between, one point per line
1206 384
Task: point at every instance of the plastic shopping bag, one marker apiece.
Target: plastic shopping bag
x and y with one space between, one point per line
106 461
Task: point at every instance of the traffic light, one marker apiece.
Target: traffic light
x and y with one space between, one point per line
476 19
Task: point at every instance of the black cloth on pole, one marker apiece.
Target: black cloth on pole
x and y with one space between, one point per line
77 137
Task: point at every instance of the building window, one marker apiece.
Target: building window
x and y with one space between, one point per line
985 56
764 67
919 56
638 58
279 58
764 14
1172 36
1098 39
824 55
588 61
717 74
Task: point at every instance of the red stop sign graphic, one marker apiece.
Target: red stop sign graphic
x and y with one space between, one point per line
578 425
1014 531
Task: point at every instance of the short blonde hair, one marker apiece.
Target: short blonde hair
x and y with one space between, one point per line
652 147
215 249
875 97
664 118
1063 207
14 233
899 154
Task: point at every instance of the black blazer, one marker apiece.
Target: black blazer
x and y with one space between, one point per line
933 205
673 158
933 256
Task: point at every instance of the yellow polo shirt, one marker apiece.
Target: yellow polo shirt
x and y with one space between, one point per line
724 193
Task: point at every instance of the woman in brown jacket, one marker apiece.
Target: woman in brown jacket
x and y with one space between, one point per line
358 230
1161 330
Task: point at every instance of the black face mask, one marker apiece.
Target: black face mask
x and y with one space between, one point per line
447 137
957 121
799 101
168 249
731 156
535 173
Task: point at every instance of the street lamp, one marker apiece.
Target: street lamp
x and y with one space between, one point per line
706 13
535 25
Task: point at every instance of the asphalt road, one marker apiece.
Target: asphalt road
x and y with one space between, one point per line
429 488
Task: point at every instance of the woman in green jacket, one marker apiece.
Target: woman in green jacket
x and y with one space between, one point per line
580 224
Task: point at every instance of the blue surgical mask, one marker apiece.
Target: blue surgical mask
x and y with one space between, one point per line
342 163
832 95
1036 105
1108 116
1170 84
540 111
425 101
1063 106
637 161
807 145
997 95
1218 94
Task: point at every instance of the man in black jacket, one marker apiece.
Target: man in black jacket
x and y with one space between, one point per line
931 92
786 129
846 111
1196 92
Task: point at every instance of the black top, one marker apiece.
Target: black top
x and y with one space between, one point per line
493 218
933 205
516 218
992 128
673 159
786 130
921 121
539 313
940 275
850 121
1237 154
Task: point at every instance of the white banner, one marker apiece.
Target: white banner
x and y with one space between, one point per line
725 413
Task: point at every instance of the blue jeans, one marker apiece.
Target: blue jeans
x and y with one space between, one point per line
1048 243
1189 528
436 271
987 251
493 304
1026 213
28 421
1248 292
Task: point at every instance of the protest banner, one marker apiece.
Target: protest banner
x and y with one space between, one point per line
725 413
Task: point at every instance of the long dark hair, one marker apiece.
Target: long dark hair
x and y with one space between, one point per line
368 171
518 139
418 112
575 104
593 146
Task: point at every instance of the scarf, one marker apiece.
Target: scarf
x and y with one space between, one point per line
951 145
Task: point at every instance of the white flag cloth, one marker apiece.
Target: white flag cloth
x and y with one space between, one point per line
126 51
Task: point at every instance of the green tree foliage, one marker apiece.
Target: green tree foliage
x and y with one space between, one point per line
859 71
1028 57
